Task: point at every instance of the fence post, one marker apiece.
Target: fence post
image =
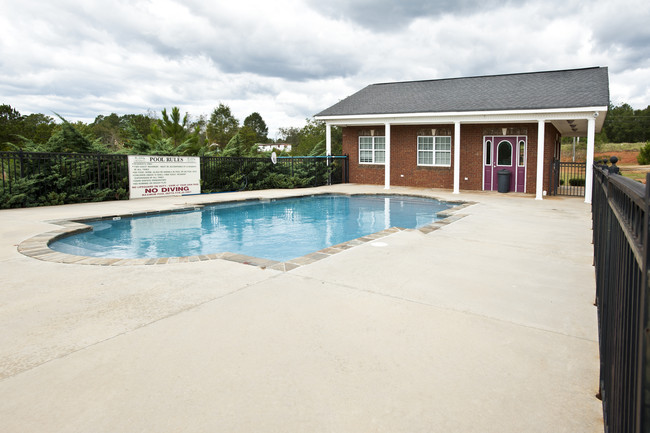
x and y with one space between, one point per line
20 161
99 170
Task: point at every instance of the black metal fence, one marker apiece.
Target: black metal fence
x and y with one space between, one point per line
567 178
620 209
232 173
38 179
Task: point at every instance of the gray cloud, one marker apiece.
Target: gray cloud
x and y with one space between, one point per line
290 59
392 16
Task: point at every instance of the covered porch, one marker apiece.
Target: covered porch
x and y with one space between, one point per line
571 122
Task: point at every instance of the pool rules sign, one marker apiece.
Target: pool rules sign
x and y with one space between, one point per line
156 176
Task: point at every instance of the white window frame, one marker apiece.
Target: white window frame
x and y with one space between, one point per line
434 152
373 150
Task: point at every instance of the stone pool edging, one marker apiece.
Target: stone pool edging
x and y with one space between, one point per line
37 247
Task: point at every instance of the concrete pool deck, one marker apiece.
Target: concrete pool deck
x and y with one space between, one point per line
484 325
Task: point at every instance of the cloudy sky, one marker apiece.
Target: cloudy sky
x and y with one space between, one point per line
290 59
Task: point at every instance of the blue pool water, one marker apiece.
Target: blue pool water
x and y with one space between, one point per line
278 230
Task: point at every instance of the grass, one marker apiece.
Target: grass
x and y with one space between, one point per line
613 147
567 149
626 152
639 176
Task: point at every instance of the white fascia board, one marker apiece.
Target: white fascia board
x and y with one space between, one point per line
469 116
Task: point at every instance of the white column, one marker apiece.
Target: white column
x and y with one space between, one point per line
328 149
589 174
456 157
387 160
328 139
539 183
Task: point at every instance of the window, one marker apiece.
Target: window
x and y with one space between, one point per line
504 154
434 150
522 153
488 152
372 150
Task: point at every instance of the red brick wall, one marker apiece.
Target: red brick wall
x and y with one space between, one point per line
551 142
405 171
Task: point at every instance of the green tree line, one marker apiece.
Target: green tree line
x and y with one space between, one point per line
171 133
624 124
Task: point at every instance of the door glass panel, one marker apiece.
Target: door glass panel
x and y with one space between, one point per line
488 152
522 153
504 153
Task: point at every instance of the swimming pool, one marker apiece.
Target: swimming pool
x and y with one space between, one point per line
278 230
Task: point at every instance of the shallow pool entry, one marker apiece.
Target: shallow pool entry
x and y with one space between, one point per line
277 230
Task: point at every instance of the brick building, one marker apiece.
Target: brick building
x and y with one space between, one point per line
459 133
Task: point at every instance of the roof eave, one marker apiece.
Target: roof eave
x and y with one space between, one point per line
496 116
532 112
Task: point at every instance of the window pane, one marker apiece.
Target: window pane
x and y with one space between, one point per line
365 156
443 143
380 141
365 142
425 146
488 152
504 153
522 153
380 156
425 158
443 158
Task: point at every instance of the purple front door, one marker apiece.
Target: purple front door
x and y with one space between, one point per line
504 153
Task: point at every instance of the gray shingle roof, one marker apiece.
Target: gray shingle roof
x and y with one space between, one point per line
573 88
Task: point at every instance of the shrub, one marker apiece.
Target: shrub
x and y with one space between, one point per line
577 181
643 157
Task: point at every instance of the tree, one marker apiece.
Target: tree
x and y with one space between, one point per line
244 143
68 138
141 122
18 131
222 126
290 135
305 140
10 125
37 127
257 124
108 130
171 126
624 124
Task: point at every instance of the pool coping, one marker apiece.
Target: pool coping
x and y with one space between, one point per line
37 247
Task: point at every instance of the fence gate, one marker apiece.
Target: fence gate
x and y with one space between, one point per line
567 178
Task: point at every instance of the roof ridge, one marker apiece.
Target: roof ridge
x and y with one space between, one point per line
489 76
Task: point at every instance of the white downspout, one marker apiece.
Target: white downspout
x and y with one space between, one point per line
539 183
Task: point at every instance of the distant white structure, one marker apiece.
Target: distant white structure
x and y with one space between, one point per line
274 146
